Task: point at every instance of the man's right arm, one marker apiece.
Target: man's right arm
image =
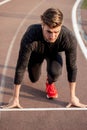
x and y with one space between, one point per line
14 101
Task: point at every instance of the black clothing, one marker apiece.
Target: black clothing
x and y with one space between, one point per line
54 67
34 49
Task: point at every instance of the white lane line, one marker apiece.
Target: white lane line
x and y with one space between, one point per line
2 85
4 2
76 30
42 109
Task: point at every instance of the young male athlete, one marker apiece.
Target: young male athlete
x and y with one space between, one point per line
47 41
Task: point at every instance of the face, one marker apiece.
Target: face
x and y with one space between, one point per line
50 34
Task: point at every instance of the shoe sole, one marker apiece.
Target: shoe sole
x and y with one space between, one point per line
52 97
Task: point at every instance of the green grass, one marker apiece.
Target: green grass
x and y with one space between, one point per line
84 4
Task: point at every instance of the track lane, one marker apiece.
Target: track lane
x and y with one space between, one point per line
33 95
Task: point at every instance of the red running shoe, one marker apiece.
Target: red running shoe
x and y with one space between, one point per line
51 91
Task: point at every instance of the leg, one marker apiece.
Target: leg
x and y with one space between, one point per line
54 68
34 66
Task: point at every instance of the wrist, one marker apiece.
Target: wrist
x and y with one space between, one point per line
16 91
74 99
72 86
15 96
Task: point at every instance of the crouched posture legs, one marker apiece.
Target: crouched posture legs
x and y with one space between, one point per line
54 70
34 67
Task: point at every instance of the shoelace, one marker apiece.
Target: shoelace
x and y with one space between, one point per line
51 88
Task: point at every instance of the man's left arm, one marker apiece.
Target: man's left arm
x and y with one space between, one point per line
71 56
74 100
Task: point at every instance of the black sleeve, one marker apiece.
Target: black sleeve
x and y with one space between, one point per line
71 56
26 47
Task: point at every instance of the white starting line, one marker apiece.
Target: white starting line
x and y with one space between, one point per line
42 109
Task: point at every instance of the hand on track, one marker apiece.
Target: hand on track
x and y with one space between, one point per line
75 102
13 103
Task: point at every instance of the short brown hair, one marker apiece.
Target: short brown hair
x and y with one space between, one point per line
52 17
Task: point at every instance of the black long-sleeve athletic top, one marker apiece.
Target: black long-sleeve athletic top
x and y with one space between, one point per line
33 40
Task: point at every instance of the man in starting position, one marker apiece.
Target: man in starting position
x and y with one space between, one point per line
47 41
